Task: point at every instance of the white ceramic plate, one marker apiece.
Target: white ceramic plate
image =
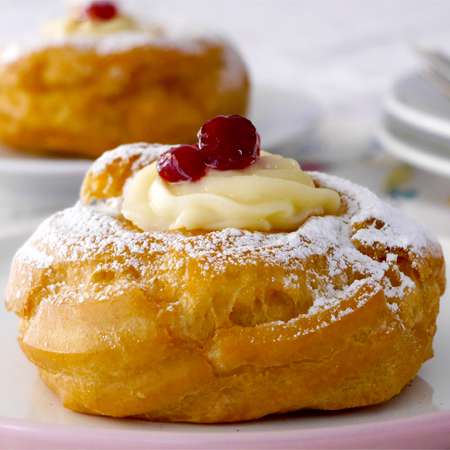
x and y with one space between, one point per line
284 117
418 148
419 103
32 418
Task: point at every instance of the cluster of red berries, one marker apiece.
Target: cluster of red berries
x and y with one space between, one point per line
224 143
101 10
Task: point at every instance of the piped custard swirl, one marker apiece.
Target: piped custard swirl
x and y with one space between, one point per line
273 194
80 24
73 26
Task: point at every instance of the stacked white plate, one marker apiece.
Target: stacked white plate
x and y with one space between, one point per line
416 124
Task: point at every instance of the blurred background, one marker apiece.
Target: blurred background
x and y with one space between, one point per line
338 85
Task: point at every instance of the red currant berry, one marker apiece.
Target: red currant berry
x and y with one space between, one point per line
229 142
101 10
181 163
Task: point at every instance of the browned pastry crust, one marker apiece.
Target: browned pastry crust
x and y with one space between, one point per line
227 325
71 100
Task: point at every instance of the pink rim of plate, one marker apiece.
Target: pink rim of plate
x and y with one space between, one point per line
423 431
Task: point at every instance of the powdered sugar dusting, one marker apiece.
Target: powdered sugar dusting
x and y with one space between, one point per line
85 232
106 44
397 230
144 154
35 257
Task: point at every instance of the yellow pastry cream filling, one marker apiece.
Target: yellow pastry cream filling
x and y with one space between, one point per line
79 25
274 194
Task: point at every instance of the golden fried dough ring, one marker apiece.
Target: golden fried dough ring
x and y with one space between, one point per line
228 325
74 99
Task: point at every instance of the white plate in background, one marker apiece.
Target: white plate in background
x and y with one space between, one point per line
419 103
284 118
418 148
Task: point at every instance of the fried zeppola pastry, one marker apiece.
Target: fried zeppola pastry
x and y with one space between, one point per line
225 325
93 85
